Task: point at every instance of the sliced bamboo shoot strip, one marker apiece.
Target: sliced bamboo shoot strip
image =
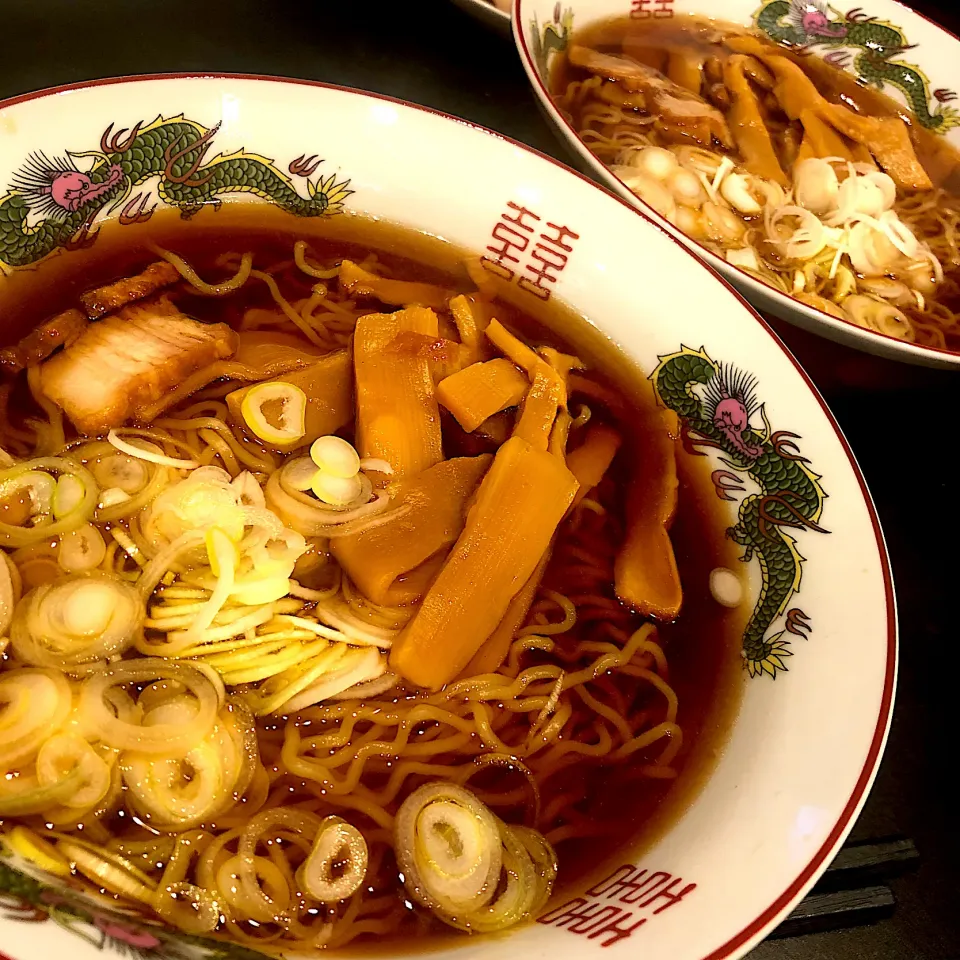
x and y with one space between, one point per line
398 419
496 647
359 282
377 559
591 460
645 572
481 390
519 505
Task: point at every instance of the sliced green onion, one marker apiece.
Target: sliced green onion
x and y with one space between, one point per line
7 598
173 792
448 849
68 496
278 555
514 898
204 499
38 851
121 471
376 465
33 799
81 549
314 519
544 859
40 488
334 456
66 753
289 425
188 907
40 477
269 901
111 497
111 871
357 666
249 490
149 452
299 474
35 703
169 739
223 557
222 552
256 590
472 870
337 863
337 491
239 880
77 620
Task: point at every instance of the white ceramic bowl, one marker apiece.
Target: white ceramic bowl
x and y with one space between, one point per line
804 749
933 54
488 13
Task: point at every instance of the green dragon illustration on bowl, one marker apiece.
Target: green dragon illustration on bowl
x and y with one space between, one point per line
716 403
53 204
550 38
811 23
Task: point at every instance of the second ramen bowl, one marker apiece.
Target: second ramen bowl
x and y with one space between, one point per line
543 29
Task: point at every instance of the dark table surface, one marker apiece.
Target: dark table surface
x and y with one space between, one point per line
901 421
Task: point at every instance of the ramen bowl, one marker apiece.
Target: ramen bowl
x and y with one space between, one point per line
815 656
488 13
542 31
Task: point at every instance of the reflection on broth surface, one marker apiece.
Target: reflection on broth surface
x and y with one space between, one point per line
329 587
783 164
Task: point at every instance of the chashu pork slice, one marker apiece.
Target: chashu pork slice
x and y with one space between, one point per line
129 360
39 343
65 327
130 289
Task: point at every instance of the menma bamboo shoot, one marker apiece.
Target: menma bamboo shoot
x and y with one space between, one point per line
496 647
471 315
481 390
591 460
548 388
518 507
545 397
645 573
359 282
380 561
398 419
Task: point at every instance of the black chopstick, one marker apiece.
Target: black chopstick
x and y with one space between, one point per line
819 912
860 863
852 892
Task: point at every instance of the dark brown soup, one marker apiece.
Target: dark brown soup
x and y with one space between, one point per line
330 555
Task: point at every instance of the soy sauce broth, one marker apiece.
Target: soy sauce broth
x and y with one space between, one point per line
703 646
